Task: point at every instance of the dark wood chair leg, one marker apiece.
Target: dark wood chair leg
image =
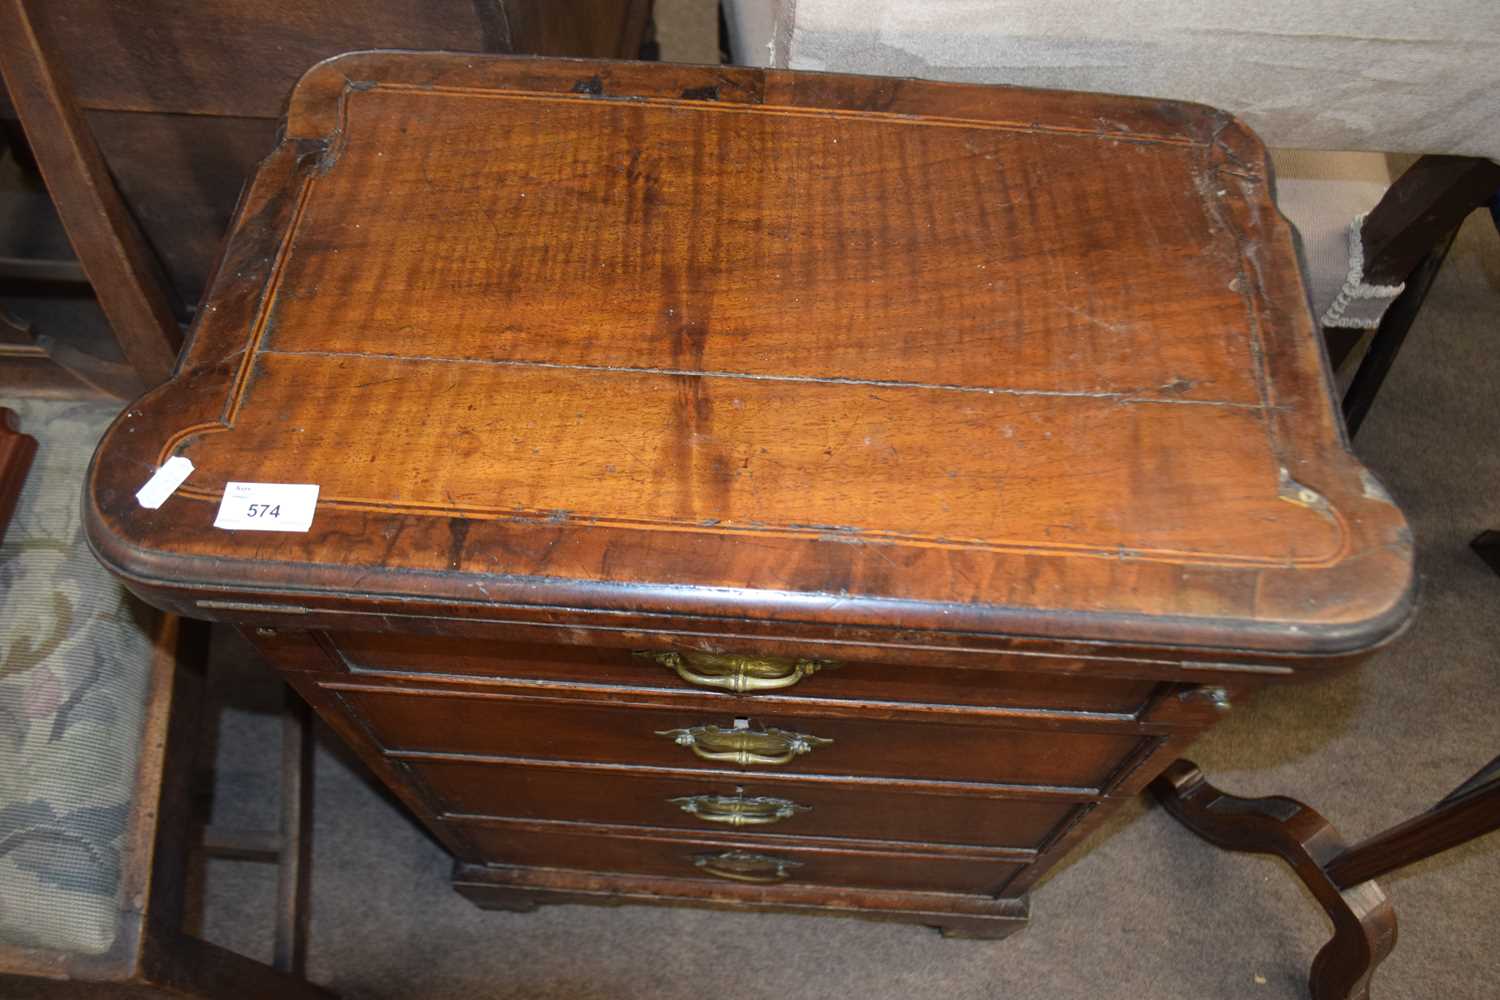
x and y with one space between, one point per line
1424 205
293 859
288 846
1405 239
1487 545
1471 810
190 967
1364 923
1391 335
16 452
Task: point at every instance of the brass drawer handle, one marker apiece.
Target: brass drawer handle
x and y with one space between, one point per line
744 746
740 674
742 866
738 810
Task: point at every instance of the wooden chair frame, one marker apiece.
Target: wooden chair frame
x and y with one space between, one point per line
1406 238
151 955
112 252
1340 877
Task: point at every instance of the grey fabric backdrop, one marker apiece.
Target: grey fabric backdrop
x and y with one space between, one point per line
1384 75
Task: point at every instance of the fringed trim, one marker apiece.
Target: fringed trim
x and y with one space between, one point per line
1356 293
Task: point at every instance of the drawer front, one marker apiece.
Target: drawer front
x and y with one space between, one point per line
873 681
762 805
414 719
735 859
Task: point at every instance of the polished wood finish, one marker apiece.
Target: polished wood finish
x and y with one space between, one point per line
1341 878
184 96
1472 810
498 887
1364 924
605 667
938 747
672 854
115 256
594 359
16 452
611 794
1222 545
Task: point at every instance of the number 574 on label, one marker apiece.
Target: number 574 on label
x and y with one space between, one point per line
267 507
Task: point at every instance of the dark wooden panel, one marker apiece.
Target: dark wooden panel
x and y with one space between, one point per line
501 887
120 266
235 57
512 727
578 27
16 452
35 374
181 176
620 849
196 71
522 791
875 681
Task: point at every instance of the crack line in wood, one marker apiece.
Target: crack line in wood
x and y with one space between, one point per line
1120 397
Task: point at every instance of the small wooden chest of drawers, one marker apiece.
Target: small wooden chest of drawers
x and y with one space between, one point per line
767 490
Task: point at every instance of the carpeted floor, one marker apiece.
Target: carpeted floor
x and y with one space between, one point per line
1144 910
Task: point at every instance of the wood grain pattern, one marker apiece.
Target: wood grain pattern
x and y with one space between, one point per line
854 461
850 810
184 96
1009 400
492 725
958 915
605 668
671 854
810 401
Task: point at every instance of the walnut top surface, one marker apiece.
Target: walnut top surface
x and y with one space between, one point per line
750 343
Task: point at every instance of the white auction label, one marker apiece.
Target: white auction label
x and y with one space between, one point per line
267 507
164 482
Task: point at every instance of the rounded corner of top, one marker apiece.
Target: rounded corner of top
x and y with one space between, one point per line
314 104
1382 616
1235 140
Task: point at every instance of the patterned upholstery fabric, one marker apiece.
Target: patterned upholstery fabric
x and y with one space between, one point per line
74 666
